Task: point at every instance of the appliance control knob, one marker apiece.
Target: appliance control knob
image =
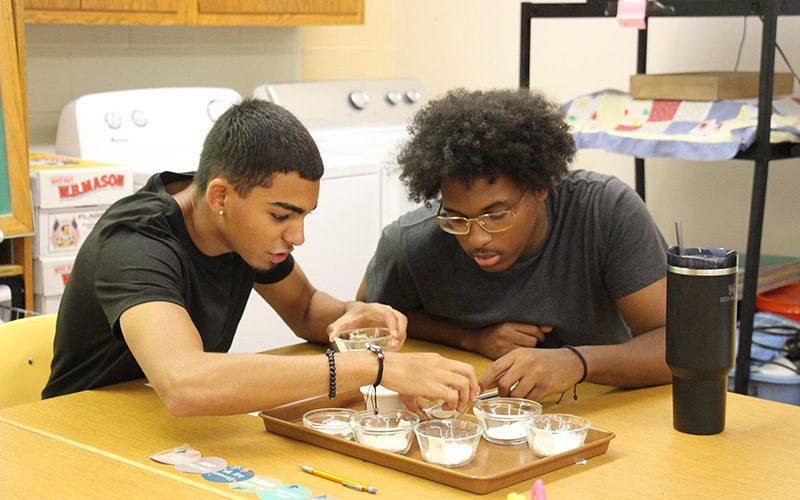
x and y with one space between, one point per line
413 96
394 98
359 99
113 120
139 118
215 109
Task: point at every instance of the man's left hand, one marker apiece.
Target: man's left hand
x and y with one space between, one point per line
362 315
537 373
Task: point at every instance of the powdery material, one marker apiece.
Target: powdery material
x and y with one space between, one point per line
441 452
334 427
507 432
391 443
552 443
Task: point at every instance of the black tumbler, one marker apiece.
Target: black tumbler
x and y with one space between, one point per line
701 324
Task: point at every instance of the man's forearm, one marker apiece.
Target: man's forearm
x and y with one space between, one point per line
425 326
639 362
321 311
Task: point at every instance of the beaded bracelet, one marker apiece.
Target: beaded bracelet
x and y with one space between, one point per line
583 378
377 350
332 367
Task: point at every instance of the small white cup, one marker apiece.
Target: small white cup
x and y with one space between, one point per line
387 398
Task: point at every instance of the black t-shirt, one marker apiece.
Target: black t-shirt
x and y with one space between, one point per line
140 251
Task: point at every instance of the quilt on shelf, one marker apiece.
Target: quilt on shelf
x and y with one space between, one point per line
692 130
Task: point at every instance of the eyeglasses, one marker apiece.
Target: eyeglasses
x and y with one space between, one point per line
494 222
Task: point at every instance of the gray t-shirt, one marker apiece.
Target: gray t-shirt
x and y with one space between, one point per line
601 245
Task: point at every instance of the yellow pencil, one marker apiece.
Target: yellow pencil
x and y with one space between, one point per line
347 483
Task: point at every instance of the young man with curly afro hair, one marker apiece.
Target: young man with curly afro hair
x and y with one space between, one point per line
557 275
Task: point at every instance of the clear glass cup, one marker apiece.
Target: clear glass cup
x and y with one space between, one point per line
555 433
449 443
501 419
390 430
432 408
358 339
333 421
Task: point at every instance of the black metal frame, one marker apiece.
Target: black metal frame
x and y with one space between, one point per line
761 152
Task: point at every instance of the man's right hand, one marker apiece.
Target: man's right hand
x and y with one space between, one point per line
432 376
498 340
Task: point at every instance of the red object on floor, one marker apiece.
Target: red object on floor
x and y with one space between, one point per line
784 301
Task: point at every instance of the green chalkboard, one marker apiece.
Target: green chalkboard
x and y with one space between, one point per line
5 193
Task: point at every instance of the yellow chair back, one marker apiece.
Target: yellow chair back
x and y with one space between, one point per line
26 350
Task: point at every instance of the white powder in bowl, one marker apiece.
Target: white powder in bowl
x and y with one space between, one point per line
336 428
391 443
552 443
441 452
513 431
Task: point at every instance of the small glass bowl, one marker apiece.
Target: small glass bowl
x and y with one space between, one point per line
432 409
449 443
555 433
333 421
391 430
502 419
359 338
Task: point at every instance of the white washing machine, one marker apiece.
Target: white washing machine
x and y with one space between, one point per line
152 130
149 130
364 118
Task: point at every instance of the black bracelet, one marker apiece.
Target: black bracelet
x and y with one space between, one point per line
583 362
583 378
332 367
378 352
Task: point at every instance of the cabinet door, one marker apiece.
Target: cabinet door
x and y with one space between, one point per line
130 5
196 12
53 4
282 12
149 12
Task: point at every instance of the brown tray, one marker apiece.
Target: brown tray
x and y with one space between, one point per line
494 466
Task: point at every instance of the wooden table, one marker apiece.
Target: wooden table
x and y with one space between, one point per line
756 455
36 466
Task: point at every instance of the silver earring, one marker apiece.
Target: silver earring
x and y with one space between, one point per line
220 212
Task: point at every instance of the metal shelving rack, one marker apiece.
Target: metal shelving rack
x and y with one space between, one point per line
761 152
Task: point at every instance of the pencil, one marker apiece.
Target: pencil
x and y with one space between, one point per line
347 483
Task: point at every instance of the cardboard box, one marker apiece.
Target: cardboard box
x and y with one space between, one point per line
62 181
60 233
50 274
706 86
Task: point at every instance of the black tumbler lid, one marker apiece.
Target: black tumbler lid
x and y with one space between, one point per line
702 258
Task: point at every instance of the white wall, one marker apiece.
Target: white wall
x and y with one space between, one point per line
447 43
475 44
65 62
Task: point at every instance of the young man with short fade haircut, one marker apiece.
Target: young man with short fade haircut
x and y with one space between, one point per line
513 252
160 284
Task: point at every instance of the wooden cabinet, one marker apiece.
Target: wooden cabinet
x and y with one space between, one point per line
195 12
16 216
